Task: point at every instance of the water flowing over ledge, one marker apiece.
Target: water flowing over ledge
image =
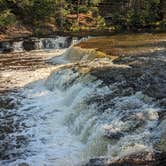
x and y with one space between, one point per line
55 43
90 108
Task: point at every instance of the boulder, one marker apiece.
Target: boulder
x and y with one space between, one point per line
6 46
29 45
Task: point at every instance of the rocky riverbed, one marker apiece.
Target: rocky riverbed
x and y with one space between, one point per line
21 68
110 100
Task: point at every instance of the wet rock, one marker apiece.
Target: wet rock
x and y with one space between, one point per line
68 41
97 162
140 159
23 164
162 115
162 102
161 144
7 129
29 45
157 90
113 135
7 103
143 75
160 159
6 46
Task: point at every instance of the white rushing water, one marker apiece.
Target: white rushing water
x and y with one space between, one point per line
52 43
18 46
55 43
64 125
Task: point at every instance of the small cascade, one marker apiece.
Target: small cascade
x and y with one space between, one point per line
18 46
55 43
113 132
77 40
38 44
87 108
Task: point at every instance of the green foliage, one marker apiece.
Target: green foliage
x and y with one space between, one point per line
120 14
100 22
42 9
95 12
74 28
83 9
7 18
133 14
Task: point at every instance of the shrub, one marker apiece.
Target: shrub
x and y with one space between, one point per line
100 22
7 18
83 9
74 28
95 11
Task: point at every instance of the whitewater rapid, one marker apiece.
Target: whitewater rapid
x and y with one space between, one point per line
63 122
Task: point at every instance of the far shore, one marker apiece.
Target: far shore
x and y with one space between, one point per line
105 32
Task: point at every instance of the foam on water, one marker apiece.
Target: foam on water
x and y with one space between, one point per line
49 142
132 115
63 127
18 46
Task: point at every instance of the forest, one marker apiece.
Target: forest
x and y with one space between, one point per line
45 16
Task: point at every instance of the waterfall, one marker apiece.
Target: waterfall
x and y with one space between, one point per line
97 129
70 118
73 115
18 46
46 43
55 43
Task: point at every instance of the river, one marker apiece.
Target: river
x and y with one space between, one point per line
65 105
